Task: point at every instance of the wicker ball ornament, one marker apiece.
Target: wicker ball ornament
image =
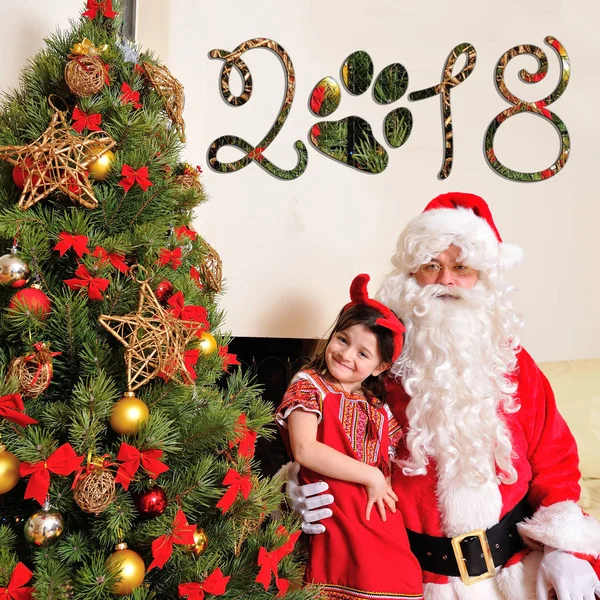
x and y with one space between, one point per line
190 178
171 93
85 75
34 371
95 490
212 269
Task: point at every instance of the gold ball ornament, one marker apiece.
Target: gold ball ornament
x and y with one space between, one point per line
101 167
44 527
208 344
200 543
129 568
9 470
128 415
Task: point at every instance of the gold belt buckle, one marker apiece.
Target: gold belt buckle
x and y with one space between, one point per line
462 561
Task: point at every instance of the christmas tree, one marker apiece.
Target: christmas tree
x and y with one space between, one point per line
126 454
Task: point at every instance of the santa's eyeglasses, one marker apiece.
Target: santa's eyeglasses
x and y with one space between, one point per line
434 269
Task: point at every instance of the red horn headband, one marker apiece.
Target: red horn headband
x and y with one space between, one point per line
360 295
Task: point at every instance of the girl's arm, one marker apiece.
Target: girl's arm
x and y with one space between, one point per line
302 428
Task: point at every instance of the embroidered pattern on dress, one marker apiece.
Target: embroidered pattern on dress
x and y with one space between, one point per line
355 416
340 592
363 423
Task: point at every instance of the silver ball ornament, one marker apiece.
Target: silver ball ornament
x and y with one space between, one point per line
44 527
14 271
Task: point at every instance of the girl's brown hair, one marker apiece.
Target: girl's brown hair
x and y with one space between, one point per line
373 387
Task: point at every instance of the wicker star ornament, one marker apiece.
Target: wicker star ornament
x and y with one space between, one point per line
171 92
57 161
155 341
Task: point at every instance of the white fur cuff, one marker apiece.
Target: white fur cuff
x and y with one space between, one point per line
562 526
284 471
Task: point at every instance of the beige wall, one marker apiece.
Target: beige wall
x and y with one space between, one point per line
290 249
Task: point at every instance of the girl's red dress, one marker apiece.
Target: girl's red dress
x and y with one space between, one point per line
355 558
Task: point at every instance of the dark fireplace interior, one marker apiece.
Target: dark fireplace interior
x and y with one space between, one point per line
273 362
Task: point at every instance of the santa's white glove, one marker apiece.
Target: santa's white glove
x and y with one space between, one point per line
570 577
306 504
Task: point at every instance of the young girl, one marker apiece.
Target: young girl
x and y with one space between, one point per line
342 433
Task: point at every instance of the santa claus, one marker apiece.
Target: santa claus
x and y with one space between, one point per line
487 477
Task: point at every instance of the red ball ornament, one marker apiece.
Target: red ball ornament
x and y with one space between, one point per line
164 290
33 299
152 502
19 175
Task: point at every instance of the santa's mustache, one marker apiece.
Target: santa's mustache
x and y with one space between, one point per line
435 292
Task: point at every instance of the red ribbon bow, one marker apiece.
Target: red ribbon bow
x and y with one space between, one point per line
246 438
195 315
190 358
95 285
184 231
228 359
195 276
170 256
82 121
104 6
131 176
162 547
129 96
288 545
268 562
131 459
15 590
68 240
116 260
62 462
106 68
238 483
215 584
13 409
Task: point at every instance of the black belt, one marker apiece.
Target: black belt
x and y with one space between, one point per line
474 555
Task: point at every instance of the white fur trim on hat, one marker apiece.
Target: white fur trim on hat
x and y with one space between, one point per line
434 231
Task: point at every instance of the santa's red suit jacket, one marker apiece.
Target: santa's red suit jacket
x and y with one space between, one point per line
546 460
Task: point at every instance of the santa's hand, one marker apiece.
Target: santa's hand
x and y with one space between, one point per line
570 577
306 504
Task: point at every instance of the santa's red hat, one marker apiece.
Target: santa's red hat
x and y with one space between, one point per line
360 295
459 219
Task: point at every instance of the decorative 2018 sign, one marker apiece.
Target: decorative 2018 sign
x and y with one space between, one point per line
351 141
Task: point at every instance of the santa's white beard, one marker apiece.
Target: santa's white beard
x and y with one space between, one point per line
454 366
